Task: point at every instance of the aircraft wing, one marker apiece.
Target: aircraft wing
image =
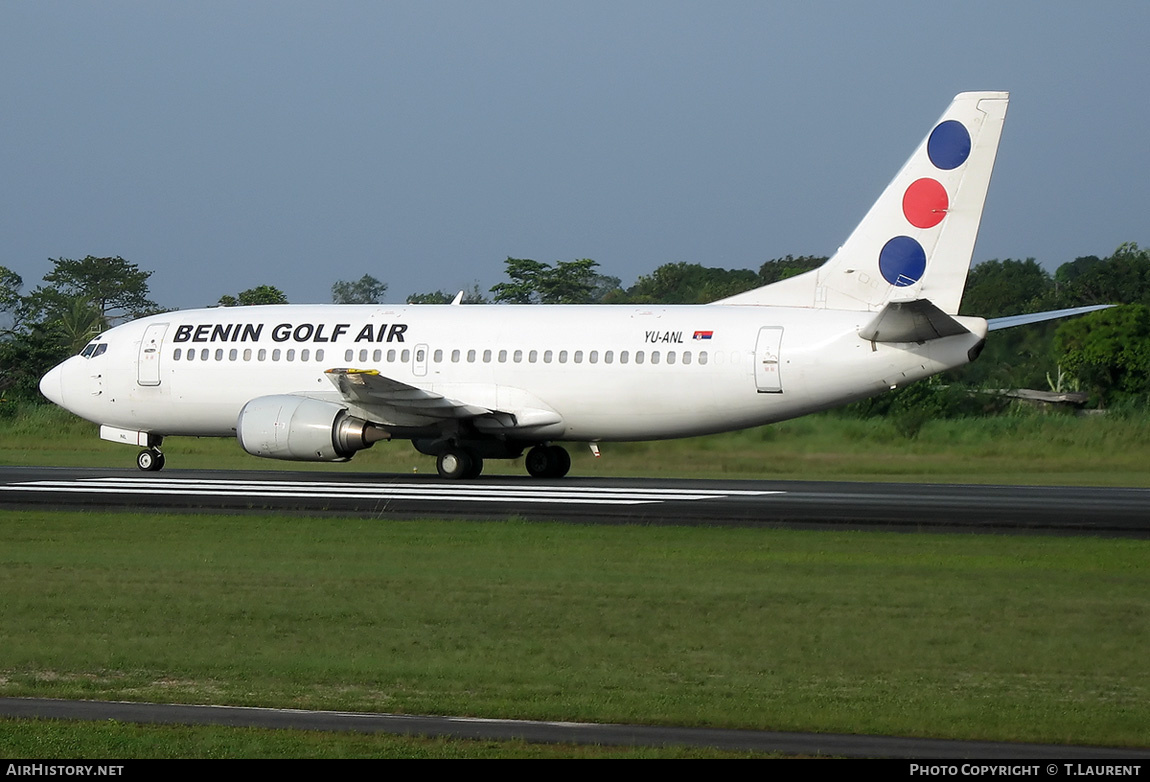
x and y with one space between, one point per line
369 387
517 410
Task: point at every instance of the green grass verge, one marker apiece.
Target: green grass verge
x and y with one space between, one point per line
1024 448
57 739
960 636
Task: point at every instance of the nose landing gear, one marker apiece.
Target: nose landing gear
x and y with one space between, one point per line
150 460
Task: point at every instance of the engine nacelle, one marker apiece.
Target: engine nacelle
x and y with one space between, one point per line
299 429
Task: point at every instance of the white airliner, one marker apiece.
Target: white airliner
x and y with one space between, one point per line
466 383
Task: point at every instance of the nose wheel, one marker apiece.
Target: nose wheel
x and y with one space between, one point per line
150 460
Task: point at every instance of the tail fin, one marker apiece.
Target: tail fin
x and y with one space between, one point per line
917 240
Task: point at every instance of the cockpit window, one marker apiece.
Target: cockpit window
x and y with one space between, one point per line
93 349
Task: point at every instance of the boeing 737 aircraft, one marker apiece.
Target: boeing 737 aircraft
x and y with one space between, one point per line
468 383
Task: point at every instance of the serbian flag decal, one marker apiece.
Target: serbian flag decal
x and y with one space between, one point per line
703 335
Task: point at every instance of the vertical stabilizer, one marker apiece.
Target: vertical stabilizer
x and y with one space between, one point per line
916 242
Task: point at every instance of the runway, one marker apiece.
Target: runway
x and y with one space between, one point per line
822 505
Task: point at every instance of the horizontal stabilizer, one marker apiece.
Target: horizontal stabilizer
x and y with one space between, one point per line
911 321
994 324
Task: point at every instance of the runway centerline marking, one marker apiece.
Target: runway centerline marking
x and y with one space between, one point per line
572 495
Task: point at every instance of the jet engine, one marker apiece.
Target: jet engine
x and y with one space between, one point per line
299 429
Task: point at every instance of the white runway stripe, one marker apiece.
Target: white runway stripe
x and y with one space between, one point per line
460 492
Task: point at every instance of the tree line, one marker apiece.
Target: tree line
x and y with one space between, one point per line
1106 354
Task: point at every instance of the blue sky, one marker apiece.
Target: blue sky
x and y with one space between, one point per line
225 145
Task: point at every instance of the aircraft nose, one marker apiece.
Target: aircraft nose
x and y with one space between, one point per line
52 384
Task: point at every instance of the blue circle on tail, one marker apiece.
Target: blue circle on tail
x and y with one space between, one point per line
902 261
949 145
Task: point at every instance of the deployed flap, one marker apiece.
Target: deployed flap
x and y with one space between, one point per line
367 386
911 321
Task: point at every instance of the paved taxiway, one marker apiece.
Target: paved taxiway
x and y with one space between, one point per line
1059 510
834 745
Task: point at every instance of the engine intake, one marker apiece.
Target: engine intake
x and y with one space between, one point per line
299 429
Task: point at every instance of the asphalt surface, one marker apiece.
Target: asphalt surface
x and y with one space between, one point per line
808 744
824 505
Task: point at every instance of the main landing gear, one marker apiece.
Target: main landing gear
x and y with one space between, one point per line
150 460
543 461
456 463
548 461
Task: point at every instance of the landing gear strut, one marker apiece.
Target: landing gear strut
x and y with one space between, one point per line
150 460
548 461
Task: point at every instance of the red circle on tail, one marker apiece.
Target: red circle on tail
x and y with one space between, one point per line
925 203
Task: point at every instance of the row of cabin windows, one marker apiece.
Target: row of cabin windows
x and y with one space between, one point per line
533 356
291 354
457 356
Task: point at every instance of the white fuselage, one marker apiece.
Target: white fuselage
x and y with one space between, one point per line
607 372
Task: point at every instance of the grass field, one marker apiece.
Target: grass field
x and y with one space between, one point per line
1007 638
1014 638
